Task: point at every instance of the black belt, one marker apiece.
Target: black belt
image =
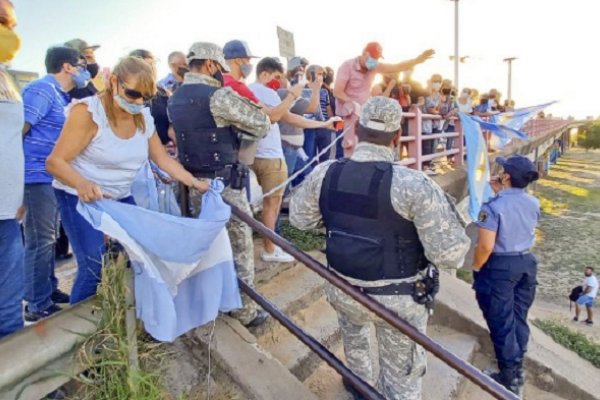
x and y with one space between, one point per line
512 253
404 288
224 173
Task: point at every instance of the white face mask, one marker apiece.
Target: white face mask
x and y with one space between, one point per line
436 85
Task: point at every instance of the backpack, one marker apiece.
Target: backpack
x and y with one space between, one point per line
574 295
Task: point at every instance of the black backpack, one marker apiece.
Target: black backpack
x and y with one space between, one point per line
575 293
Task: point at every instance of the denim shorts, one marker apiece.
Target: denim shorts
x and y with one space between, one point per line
585 300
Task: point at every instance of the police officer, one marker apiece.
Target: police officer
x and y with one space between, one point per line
211 123
384 223
505 276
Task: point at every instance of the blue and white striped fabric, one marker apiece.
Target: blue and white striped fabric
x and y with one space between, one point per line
516 119
504 133
478 167
184 271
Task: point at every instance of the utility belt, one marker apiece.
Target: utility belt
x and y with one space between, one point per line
423 291
233 175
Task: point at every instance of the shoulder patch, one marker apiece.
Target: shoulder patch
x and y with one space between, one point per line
483 216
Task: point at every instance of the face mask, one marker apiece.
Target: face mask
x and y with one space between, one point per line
9 44
371 63
181 71
436 85
273 84
131 108
588 274
465 94
246 69
218 75
81 78
93 69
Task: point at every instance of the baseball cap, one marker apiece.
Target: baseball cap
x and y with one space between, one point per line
296 62
381 114
374 50
207 51
519 168
80 45
237 49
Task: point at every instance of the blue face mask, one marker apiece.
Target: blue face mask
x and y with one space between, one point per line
81 78
371 63
131 108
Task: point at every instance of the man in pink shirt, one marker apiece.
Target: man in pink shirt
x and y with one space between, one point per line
353 85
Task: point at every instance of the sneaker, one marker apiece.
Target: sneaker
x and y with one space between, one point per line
60 297
589 322
261 317
520 376
58 394
277 255
575 319
32 317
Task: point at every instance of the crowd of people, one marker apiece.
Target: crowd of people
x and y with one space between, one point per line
77 135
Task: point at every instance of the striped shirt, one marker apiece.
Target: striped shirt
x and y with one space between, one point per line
324 101
44 102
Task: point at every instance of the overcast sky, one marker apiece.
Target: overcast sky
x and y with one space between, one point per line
556 41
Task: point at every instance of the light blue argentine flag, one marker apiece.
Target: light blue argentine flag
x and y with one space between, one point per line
503 133
517 119
184 271
478 167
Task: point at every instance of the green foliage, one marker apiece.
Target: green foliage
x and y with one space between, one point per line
577 342
305 240
590 136
105 353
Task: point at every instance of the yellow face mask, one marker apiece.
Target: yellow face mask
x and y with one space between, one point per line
9 44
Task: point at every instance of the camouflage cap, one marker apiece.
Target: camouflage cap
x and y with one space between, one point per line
207 51
81 45
381 114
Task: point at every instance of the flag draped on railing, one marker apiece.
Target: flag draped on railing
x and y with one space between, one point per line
184 271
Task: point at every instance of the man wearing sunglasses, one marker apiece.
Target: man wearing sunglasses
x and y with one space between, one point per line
87 53
211 123
44 101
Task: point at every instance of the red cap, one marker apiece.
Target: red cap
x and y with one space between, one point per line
374 50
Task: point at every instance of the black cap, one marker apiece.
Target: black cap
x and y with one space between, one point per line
519 168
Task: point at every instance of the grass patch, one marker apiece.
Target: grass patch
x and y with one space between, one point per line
575 341
465 275
305 240
105 353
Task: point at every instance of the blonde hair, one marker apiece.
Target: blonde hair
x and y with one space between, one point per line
146 84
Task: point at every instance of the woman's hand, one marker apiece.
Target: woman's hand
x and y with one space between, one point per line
200 185
89 191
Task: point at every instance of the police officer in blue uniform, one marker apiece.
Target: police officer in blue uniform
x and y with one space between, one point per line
505 277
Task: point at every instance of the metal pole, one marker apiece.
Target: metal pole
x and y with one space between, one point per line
466 369
509 60
456 56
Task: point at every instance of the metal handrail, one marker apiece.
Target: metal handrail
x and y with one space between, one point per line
470 372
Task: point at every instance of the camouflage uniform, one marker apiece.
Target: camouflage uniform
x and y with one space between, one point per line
228 108
420 200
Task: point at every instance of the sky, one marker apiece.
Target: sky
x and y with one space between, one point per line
555 41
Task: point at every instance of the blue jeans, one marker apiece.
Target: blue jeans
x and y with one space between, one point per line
87 243
291 157
12 286
339 150
450 141
310 148
40 237
322 140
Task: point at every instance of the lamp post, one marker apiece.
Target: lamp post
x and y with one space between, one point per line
456 58
509 60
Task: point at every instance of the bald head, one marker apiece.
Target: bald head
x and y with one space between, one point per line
8 18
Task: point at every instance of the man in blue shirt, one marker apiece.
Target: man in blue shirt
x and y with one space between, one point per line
179 67
505 277
44 101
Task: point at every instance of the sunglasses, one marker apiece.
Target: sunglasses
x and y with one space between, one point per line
134 94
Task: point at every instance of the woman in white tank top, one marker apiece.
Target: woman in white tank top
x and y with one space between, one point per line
105 141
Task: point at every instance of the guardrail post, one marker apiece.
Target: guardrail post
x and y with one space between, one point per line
459 142
415 148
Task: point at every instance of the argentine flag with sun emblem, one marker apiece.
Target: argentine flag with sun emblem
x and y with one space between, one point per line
478 166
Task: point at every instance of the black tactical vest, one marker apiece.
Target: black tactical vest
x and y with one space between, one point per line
203 148
366 238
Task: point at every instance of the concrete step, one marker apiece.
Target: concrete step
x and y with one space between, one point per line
442 381
318 320
290 291
254 371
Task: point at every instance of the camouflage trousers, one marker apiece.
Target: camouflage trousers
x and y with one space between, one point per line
242 245
402 363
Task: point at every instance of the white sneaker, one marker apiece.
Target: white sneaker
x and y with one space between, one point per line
277 255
